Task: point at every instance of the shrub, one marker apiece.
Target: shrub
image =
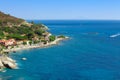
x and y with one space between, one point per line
52 38
35 42
17 37
39 32
24 43
44 41
61 36
30 42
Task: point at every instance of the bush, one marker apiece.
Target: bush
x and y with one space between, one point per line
39 32
1 33
52 38
24 43
35 42
30 35
17 37
61 36
30 42
44 41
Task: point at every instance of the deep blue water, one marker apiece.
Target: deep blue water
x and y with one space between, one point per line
89 54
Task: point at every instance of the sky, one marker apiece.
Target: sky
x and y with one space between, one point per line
62 9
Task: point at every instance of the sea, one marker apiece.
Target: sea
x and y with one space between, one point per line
92 52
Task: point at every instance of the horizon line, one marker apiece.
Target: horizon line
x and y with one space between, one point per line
79 19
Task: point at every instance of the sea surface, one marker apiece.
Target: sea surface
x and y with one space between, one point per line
91 53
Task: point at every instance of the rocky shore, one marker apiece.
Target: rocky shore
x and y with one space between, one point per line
7 62
17 34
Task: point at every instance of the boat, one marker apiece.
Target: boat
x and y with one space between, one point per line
115 35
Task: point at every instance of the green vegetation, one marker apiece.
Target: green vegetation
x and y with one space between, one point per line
24 43
12 27
30 42
23 32
16 37
44 41
39 32
61 36
20 30
52 38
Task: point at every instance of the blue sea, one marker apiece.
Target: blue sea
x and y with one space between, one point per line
90 53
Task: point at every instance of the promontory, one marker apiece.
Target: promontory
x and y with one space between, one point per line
18 34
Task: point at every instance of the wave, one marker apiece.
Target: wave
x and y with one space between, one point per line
115 35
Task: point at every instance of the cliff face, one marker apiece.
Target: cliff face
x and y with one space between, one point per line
8 20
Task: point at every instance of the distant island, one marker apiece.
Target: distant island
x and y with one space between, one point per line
17 34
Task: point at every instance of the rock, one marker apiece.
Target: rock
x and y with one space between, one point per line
10 65
9 59
24 59
8 62
1 64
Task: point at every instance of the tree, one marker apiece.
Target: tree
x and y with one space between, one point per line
24 43
52 38
39 32
61 36
17 37
30 35
30 42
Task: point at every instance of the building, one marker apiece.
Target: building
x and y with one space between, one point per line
9 42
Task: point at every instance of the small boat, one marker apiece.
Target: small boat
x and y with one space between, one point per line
115 35
24 59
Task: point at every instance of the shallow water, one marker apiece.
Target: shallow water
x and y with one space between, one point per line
89 54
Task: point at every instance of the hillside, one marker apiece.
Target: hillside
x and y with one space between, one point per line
15 32
8 20
18 29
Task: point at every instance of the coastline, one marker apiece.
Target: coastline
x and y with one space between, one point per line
7 62
39 45
17 34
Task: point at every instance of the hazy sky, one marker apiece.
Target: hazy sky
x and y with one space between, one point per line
62 9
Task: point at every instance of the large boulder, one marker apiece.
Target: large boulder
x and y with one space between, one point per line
8 62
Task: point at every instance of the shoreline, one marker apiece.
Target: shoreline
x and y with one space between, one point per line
8 62
39 45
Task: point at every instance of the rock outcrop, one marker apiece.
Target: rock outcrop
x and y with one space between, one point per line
7 62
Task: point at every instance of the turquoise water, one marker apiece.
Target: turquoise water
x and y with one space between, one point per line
89 54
